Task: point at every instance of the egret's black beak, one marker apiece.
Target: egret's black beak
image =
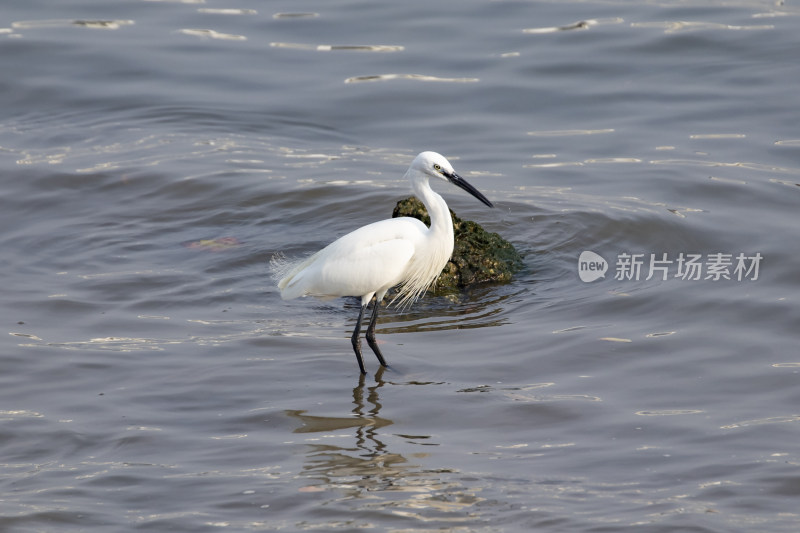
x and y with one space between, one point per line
457 180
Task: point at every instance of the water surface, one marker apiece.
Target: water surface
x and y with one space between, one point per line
156 155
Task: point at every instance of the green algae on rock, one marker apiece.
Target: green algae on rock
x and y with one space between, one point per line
478 256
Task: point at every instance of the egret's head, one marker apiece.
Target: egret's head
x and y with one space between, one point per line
436 165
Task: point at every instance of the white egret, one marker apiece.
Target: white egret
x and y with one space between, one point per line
374 258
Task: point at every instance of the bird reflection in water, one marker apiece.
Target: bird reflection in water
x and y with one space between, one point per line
367 475
331 461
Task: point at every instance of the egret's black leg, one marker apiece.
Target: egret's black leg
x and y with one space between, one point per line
371 333
357 340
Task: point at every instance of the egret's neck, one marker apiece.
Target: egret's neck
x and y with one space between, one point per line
441 222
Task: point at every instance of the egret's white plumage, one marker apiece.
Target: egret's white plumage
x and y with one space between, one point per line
374 258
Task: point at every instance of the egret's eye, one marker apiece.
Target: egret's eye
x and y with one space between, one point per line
437 167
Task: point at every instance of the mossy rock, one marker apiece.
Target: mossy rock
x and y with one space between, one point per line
479 256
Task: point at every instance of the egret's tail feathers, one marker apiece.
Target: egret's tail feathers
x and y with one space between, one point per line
282 272
279 266
289 275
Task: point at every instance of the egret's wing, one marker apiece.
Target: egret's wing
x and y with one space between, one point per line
368 260
370 269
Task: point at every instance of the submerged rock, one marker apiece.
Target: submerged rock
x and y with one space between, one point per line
478 256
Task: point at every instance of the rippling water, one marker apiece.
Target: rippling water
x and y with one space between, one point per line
157 154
